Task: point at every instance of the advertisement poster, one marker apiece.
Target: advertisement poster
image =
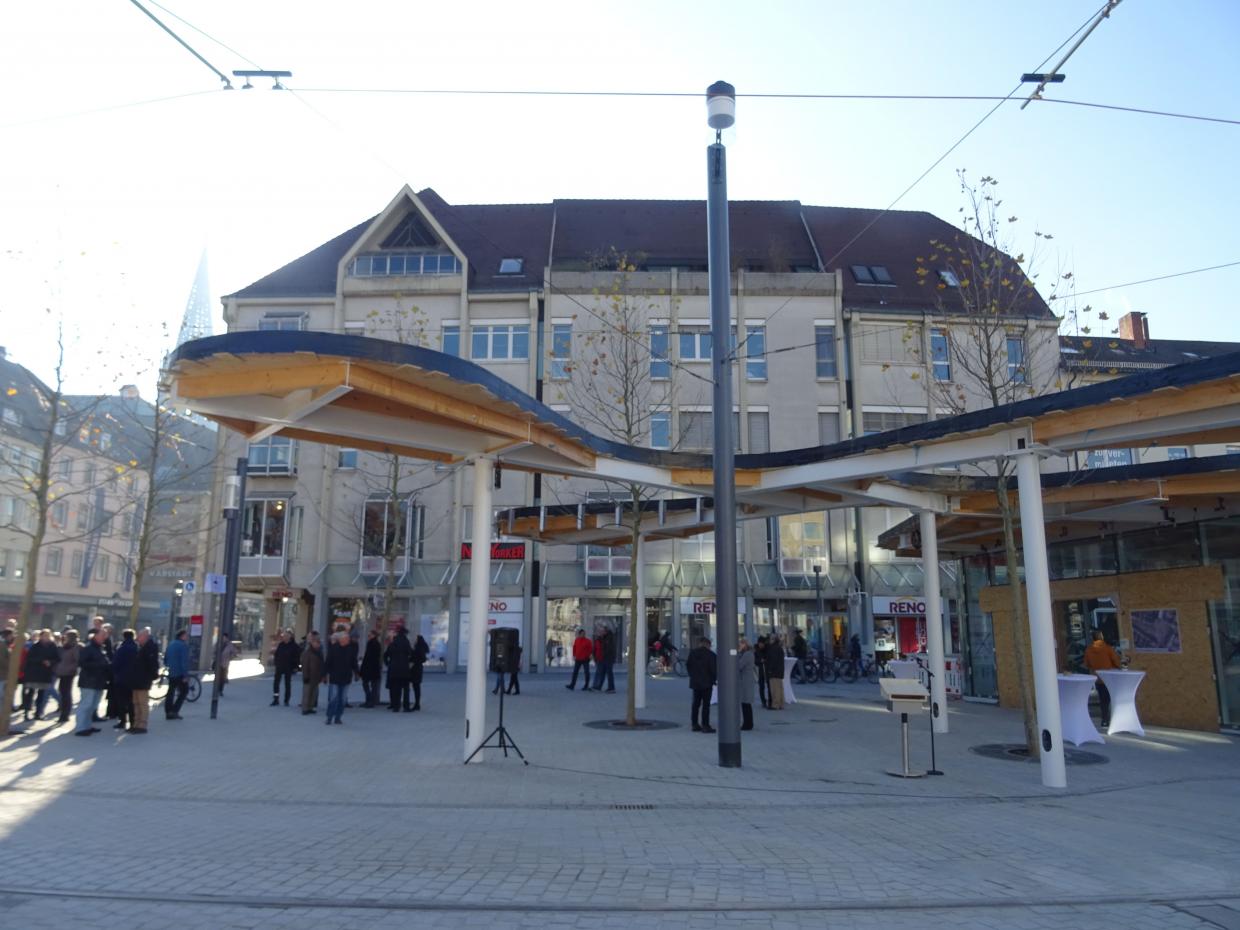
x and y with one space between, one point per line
503 612
1156 631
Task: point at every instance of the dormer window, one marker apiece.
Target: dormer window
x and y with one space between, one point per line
511 265
871 274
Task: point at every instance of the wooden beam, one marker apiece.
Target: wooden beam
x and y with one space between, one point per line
1122 411
371 445
261 379
463 412
704 478
1212 484
244 427
817 495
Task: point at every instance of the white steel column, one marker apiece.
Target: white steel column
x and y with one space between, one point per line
639 643
934 621
1041 632
479 607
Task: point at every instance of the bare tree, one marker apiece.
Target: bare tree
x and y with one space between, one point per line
610 387
997 349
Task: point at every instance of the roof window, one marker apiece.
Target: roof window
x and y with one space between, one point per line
871 274
511 265
948 277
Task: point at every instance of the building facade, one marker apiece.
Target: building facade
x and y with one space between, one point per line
836 334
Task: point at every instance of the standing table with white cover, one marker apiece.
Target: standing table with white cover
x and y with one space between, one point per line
789 695
1123 688
1074 710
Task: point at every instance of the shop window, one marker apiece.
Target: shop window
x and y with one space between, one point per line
1161 547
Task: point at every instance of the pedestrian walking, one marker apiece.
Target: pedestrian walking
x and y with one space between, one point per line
121 692
94 673
42 657
421 651
759 661
285 660
514 680
604 660
745 681
371 669
145 671
800 649
583 648
311 673
399 658
66 670
177 659
702 669
774 662
340 667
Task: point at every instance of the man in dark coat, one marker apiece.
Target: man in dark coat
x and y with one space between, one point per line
372 669
702 669
759 661
41 660
145 671
399 659
286 659
311 673
800 649
93 676
120 696
773 659
340 668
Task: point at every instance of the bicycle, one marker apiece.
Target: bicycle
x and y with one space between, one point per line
814 669
850 670
159 687
661 664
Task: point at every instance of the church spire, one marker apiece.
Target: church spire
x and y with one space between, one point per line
197 320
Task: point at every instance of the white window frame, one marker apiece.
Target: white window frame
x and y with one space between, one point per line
561 364
819 342
283 321
450 329
941 368
755 352
491 329
53 562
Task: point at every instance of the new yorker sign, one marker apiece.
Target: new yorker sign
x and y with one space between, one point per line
504 551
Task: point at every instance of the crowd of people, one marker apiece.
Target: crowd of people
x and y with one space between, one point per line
110 673
602 650
344 661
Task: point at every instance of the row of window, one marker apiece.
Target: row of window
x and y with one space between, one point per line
390 264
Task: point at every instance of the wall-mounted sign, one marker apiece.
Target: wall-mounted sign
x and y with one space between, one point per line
914 606
701 606
502 551
502 611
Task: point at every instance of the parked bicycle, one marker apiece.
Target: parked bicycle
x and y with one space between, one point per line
666 662
851 670
159 688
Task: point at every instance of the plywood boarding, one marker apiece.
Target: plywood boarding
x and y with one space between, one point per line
1179 689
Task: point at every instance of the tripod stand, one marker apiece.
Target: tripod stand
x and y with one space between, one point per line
505 738
934 709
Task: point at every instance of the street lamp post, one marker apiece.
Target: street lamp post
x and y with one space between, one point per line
721 113
175 610
234 497
828 638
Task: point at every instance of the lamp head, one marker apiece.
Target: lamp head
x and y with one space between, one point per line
720 105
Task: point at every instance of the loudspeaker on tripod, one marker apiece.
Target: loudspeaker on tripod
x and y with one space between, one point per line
504 650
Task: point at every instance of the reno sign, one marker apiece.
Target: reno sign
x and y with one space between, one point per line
900 606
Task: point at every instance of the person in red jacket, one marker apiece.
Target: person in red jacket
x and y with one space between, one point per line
583 648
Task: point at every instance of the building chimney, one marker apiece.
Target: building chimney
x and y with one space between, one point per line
129 392
1135 328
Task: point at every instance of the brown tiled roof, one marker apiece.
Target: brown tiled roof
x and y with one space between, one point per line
1101 353
766 235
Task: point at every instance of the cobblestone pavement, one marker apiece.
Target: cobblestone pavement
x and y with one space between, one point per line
268 818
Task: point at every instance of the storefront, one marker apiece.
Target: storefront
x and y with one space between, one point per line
698 618
502 612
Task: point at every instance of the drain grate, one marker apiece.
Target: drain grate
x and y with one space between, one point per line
631 807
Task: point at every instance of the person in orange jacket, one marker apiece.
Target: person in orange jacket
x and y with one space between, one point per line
1100 655
583 648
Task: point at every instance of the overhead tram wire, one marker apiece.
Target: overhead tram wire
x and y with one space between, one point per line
829 263
1163 277
189 48
108 109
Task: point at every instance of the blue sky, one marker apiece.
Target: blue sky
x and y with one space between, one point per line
105 213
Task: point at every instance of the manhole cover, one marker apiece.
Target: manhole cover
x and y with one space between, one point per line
640 726
1016 752
631 807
